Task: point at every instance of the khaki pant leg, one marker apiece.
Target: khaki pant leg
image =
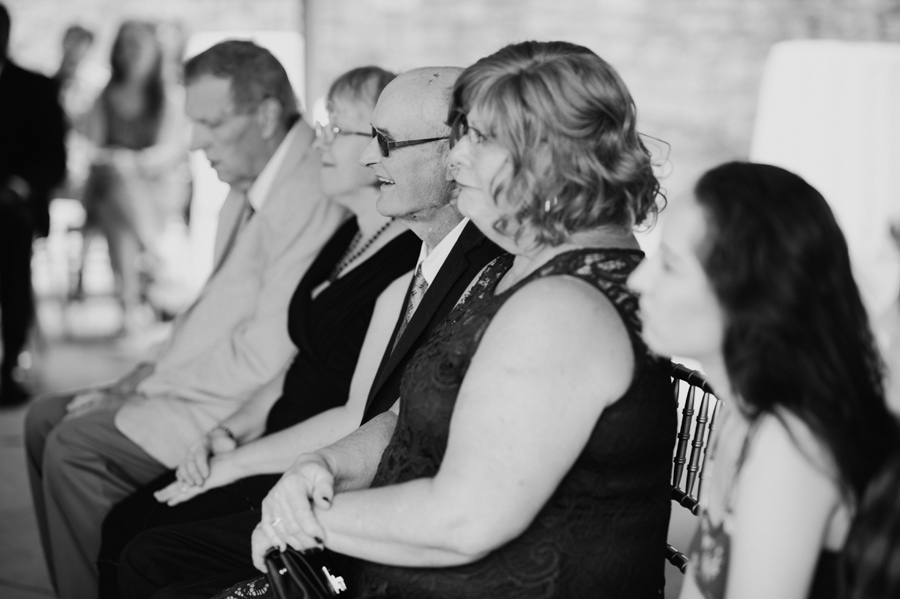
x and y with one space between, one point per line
43 415
88 467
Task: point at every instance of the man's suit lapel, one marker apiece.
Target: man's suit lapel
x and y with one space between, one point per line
454 266
434 297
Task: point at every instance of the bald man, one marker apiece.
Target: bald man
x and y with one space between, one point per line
409 154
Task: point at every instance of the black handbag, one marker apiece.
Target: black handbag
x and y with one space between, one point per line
302 575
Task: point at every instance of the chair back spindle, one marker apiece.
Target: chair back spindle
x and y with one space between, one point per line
688 467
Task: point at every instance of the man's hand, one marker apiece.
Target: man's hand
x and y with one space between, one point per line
287 511
178 492
110 396
195 468
127 385
94 399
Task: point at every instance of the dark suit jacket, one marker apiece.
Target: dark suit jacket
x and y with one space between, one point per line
32 138
469 255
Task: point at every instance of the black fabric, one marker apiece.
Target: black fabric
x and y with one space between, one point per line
469 255
603 531
16 296
193 560
32 147
328 332
32 138
140 512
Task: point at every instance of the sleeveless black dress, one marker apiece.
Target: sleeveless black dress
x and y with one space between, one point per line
329 329
603 532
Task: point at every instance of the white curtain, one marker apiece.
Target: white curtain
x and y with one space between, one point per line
830 112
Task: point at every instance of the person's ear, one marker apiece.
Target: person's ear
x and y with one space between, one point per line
268 115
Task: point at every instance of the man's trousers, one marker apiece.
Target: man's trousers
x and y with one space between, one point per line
79 469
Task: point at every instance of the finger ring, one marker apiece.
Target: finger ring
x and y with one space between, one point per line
275 522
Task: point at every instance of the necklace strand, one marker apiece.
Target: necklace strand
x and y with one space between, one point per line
352 253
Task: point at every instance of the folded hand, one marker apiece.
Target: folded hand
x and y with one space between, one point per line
195 468
178 492
287 511
91 400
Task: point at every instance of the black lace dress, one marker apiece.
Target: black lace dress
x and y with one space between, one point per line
603 532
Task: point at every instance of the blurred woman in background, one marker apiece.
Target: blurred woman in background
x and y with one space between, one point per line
138 177
753 280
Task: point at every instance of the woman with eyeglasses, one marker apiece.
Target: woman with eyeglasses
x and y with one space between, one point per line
340 318
532 450
753 280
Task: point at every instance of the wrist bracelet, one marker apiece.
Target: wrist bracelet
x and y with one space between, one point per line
226 430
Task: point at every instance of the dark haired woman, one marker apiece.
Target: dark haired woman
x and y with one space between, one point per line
531 453
138 177
753 280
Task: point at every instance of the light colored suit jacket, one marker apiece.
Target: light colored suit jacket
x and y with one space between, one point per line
232 343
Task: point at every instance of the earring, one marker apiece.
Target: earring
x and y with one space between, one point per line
550 203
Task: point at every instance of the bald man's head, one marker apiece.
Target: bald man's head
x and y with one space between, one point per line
425 94
415 186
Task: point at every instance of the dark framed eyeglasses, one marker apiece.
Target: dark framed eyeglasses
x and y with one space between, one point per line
460 128
327 133
386 145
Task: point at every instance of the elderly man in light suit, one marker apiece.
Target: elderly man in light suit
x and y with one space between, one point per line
231 346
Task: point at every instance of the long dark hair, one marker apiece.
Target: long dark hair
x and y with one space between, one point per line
154 86
797 335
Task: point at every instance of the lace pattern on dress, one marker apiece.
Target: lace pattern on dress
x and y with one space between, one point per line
255 587
603 530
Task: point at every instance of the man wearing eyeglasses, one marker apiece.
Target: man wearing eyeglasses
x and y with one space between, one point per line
409 155
230 347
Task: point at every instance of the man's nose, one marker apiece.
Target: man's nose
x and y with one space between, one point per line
371 154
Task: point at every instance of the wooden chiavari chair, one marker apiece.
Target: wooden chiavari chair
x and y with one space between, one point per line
697 423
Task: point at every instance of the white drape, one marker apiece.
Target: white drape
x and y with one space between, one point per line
830 112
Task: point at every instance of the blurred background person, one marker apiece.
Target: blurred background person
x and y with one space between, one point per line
753 280
75 92
32 164
79 83
137 179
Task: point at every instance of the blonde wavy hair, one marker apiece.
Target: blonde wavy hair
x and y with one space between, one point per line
568 122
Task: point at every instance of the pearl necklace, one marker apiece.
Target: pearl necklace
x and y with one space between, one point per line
354 250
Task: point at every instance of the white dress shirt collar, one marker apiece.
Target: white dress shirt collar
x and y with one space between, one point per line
261 187
431 262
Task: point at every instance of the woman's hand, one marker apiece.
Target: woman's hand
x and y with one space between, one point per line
195 468
260 543
219 476
287 511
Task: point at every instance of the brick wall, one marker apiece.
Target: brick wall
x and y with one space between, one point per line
694 66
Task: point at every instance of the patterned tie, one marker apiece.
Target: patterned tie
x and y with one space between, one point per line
419 287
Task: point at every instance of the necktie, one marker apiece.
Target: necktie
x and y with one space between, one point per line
246 213
419 287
